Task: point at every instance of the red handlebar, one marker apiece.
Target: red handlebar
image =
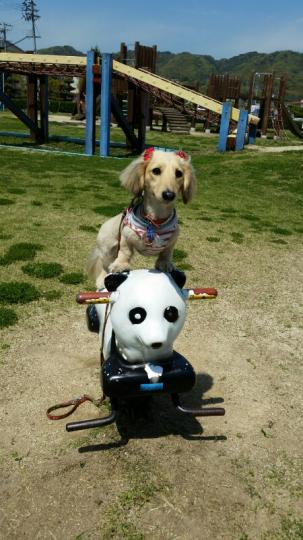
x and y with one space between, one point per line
96 297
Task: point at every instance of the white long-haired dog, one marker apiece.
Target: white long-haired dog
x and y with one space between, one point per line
150 226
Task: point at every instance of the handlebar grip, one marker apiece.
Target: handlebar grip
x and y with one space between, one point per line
94 297
200 294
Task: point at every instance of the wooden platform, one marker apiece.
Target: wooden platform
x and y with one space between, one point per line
76 66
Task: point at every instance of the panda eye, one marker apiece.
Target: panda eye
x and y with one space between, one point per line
137 315
156 171
171 314
179 173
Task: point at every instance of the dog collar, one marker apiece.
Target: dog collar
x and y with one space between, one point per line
155 222
155 235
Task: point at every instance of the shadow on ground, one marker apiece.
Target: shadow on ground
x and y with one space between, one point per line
155 416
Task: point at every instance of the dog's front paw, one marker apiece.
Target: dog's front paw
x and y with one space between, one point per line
118 267
164 266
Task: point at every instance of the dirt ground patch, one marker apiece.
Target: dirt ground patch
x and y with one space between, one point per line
274 149
170 477
161 475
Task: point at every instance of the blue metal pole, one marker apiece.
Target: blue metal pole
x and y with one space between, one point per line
89 105
241 130
105 108
224 126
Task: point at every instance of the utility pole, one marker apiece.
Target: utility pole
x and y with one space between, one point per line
30 13
4 27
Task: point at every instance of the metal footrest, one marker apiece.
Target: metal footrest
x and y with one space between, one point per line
94 422
208 411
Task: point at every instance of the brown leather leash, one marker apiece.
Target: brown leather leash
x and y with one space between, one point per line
74 404
135 200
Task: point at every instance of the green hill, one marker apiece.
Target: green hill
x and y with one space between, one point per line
189 68
61 50
280 62
196 68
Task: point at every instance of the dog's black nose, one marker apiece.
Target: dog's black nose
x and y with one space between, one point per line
168 195
156 345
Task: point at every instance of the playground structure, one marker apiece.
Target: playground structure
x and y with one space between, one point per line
265 98
266 93
101 71
222 88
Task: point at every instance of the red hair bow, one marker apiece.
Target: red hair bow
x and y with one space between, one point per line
182 154
148 153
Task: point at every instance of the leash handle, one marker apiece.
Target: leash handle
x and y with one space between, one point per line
73 403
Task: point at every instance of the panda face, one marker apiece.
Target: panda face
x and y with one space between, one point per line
147 315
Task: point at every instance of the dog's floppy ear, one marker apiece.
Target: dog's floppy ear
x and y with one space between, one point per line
132 178
188 187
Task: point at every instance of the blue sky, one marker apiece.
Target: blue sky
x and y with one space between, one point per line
220 28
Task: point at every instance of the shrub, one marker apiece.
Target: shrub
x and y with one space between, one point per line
108 210
52 295
43 270
179 254
23 251
7 317
16 292
4 202
73 278
88 228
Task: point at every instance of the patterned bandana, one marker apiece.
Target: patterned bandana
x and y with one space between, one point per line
155 236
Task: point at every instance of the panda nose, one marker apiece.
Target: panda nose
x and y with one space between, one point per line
156 345
168 195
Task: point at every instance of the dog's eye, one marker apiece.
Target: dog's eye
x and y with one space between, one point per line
137 315
179 173
171 314
156 171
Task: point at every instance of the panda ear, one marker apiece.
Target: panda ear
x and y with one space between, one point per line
178 277
112 281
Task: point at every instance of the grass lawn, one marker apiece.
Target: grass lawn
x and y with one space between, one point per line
59 202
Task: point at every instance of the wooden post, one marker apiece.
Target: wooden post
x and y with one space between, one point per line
123 53
105 106
251 92
143 118
32 103
224 125
90 133
282 88
241 130
268 85
43 96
